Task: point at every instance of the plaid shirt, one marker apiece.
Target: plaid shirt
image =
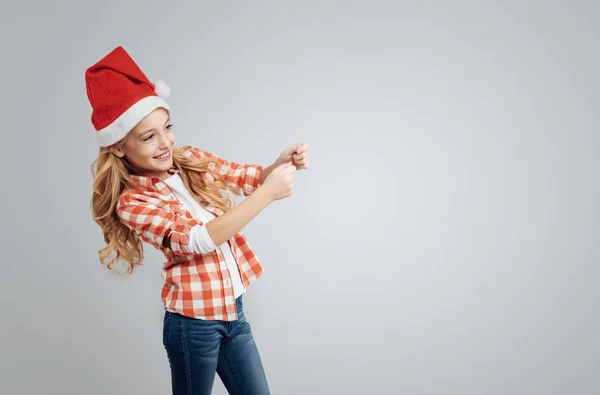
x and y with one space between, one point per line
196 285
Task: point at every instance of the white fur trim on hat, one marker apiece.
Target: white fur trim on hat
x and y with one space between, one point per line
127 121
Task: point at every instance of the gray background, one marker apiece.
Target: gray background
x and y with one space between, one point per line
443 240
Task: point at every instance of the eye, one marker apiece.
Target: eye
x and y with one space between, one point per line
169 126
149 137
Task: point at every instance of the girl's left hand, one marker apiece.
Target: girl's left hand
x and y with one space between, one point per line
297 154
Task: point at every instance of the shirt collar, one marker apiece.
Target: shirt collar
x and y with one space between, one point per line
150 182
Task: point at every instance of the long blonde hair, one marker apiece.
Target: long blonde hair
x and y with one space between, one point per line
112 176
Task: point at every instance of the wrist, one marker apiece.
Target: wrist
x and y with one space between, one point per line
267 170
264 194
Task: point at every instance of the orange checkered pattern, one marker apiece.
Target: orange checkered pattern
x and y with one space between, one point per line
196 285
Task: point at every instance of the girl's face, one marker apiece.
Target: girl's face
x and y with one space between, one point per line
149 145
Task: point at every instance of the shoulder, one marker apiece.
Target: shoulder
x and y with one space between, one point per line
136 197
140 209
190 151
197 153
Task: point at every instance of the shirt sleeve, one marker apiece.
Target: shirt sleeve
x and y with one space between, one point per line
245 178
153 220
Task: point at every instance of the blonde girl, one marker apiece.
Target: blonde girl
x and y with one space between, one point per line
178 199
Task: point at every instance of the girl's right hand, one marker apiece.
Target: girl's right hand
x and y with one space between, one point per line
280 182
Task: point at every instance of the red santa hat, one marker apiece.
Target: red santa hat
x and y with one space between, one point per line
121 96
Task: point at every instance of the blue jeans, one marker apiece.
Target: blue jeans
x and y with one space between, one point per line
197 349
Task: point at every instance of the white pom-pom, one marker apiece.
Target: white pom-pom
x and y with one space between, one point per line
162 89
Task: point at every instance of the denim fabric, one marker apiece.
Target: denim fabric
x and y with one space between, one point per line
197 349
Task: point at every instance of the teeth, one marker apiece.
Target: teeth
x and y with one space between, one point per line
163 156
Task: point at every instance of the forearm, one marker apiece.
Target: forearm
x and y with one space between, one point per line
266 171
228 224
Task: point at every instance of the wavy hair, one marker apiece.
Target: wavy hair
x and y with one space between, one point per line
112 176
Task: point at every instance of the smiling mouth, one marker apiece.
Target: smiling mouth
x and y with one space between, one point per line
164 156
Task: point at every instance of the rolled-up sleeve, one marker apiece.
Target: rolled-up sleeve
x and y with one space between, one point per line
245 178
200 240
153 223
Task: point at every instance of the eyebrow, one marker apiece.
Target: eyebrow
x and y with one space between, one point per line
153 129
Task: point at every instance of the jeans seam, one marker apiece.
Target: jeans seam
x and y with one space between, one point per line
185 358
168 327
232 373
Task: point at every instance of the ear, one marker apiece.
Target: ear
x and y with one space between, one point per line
116 149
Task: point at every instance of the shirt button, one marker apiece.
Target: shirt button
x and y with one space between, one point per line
227 282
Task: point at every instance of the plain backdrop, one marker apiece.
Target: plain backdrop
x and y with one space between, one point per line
443 241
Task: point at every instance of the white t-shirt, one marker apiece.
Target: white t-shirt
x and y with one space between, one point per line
199 236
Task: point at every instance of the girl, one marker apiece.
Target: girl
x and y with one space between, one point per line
146 189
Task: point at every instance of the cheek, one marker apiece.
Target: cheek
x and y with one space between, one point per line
142 155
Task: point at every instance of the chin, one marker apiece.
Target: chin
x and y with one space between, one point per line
164 166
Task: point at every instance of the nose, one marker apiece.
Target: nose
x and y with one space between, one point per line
165 141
